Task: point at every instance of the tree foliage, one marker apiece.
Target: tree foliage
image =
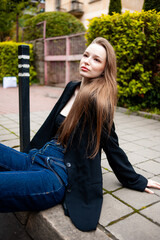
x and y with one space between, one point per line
6 19
152 4
58 24
10 11
115 6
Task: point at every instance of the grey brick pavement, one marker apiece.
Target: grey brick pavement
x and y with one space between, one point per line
126 214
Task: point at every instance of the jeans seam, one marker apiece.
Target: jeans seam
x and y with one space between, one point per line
60 165
10 169
6 167
56 174
54 144
42 193
13 150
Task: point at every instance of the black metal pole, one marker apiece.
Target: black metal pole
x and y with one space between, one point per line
24 106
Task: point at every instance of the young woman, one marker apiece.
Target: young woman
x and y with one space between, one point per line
62 164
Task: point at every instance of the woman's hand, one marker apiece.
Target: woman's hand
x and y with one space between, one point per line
151 184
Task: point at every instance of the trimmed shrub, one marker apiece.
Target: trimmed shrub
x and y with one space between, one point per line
9 60
136 40
58 24
151 4
115 6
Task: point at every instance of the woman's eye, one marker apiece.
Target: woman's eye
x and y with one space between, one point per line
97 60
85 55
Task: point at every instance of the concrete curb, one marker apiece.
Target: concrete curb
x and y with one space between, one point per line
52 224
138 113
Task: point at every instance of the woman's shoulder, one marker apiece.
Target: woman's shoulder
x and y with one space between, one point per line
73 84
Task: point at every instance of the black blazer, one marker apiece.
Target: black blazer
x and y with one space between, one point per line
83 198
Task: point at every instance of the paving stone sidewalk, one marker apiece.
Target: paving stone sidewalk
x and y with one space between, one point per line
126 214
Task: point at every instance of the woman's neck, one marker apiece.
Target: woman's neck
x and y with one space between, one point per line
69 104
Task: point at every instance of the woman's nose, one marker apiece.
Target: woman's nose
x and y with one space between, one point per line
87 61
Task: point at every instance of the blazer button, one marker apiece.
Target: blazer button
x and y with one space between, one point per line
69 190
68 164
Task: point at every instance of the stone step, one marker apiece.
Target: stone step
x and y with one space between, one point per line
52 224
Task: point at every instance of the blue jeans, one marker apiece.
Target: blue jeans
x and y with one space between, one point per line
33 181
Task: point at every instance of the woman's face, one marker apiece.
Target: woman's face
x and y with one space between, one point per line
93 61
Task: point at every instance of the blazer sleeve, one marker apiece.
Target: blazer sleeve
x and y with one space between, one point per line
119 162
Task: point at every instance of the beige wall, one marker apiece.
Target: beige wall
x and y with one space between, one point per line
66 5
95 8
49 5
132 5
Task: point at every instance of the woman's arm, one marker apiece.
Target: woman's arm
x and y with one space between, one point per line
122 167
120 164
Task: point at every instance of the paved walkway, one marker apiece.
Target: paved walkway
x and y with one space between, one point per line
126 214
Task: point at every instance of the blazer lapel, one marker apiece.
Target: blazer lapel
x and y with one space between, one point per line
68 95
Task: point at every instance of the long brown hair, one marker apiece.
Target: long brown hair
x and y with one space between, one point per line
100 91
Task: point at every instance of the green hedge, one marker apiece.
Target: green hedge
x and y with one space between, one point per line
58 24
136 40
9 60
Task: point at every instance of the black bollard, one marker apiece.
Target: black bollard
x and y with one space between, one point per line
24 106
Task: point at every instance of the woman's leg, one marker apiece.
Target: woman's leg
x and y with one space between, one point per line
33 190
26 185
10 159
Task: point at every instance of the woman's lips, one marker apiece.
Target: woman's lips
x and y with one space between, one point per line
85 69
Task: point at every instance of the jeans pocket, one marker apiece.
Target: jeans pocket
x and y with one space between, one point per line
58 168
58 162
47 161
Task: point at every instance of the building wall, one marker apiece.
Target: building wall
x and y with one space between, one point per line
49 5
132 5
94 8
65 5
